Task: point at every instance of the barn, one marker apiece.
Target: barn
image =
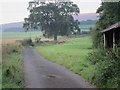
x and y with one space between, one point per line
112 36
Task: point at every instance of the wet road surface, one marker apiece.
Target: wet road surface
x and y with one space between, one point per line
41 73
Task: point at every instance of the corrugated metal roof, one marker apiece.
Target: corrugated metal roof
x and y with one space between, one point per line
116 25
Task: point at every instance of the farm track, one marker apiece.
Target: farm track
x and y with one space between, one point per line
41 73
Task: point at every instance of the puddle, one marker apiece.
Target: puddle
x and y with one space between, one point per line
42 66
51 76
54 76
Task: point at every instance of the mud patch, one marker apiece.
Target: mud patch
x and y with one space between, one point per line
51 76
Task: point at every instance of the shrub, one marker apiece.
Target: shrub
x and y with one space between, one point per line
27 42
95 56
9 48
37 40
97 37
107 63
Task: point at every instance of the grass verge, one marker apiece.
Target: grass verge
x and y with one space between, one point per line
12 68
0 67
72 55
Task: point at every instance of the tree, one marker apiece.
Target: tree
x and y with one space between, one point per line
55 18
109 72
26 24
108 15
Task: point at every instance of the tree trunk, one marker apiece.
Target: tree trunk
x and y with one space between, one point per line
118 85
55 37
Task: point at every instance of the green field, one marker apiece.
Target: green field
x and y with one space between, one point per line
86 26
72 55
36 34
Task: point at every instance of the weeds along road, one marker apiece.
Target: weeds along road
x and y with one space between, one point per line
41 73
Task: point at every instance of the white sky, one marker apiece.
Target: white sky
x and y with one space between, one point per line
16 10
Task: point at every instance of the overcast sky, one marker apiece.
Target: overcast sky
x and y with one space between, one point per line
16 10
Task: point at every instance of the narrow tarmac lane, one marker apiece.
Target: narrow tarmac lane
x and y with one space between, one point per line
41 73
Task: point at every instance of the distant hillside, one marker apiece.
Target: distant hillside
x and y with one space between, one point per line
12 27
87 20
86 25
15 24
86 16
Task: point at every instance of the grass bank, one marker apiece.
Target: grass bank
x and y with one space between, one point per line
12 68
72 55
0 67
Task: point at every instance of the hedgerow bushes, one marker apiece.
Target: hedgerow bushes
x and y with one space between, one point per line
107 64
27 42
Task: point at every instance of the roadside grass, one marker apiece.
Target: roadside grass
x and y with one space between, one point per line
0 67
0 77
72 55
12 68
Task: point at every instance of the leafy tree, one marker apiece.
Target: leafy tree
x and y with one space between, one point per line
26 24
108 15
107 61
55 18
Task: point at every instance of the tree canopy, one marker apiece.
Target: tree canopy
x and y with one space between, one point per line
55 18
109 13
107 61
